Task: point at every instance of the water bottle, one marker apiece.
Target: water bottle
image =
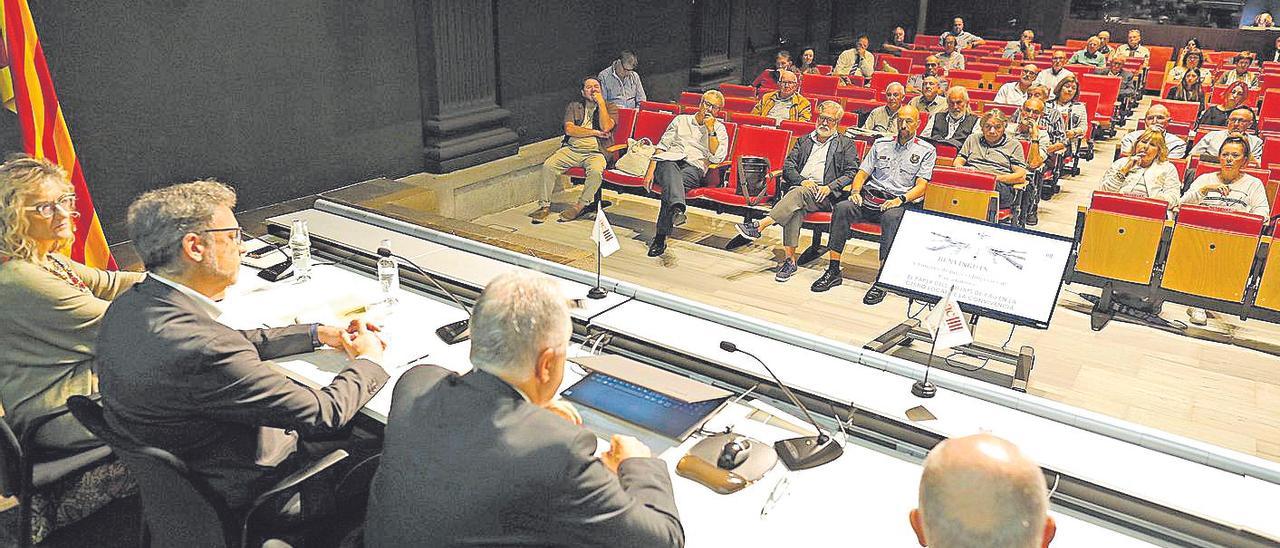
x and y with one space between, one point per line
388 274
300 249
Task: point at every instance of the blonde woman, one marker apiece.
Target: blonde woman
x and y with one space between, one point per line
53 305
1146 172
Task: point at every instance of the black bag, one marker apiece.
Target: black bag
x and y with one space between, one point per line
753 173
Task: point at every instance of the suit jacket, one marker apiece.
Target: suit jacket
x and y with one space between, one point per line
467 461
842 162
175 378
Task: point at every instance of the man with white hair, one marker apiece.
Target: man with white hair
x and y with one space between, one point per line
691 143
1157 117
957 124
981 490
491 458
880 119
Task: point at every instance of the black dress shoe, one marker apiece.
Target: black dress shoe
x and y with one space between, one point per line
658 246
873 296
1033 219
829 279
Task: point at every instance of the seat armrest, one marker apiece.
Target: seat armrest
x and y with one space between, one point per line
289 482
34 426
616 148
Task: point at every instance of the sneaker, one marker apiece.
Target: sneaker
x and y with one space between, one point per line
540 215
785 271
1198 316
829 279
572 212
1033 218
678 217
749 230
873 296
658 246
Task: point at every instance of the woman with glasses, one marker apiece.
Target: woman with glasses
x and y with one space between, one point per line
1193 61
53 304
1146 172
1218 114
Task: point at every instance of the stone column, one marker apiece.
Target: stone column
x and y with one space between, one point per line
711 25
463 125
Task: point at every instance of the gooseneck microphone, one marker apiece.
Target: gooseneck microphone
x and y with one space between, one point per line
797 453
450 333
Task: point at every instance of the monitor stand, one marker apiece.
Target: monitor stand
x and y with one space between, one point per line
911 331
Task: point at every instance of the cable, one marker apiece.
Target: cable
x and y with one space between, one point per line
916 314
970 369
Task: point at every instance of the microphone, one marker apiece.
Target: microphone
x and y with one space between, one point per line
797 453
450 333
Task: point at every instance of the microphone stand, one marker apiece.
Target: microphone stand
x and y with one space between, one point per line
450 333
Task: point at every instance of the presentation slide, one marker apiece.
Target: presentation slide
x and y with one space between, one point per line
1000 272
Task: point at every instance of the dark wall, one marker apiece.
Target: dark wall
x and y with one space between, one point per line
280 99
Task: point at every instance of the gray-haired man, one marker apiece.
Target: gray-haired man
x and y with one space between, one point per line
621 82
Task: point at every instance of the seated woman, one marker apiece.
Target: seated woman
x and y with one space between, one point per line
807 63
1188 90
1217 115
1192 60
1146 172
1066 102
48 347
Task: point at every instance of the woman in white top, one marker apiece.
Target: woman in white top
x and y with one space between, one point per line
1146 172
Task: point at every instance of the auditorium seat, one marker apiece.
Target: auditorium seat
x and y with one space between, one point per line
735 90
861 106
752 119
1185 112
1268 292
1211 253
1108 90
660 106
917 57
824 69
984 68
900 64
964 192
650 124
764 142
739 104
853 92
881 79
797 128
1269 115
690 99
1119 237
984 95
621 132
816 84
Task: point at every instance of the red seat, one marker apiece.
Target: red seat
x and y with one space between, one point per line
1108 90
768 143
796 128
690 99
739 104
925 40
752 119
649 124
621 132
1002 79
984 68
900 64
861 105
817 84
917 56
735 90
964 74
882 79
1008 110
1269 115
824 69
660 106
985 95
1147 208
1202 168
1219 219
1270 151
849 92
1180 111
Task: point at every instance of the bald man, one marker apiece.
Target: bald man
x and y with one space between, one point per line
982 491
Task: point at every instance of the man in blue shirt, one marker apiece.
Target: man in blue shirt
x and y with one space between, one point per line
621 82
892 175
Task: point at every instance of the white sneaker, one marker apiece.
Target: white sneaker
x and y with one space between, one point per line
1198 316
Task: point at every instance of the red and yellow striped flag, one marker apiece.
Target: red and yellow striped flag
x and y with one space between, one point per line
44 130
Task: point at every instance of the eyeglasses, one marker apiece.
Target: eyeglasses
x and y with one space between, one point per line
830 119
788 82
713 106
1239 120
930 64
65 203
238 237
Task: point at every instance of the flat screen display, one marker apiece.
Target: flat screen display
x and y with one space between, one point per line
641 406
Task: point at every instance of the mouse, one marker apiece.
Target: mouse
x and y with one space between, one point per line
734 454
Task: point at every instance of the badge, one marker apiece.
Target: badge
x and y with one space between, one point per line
915 158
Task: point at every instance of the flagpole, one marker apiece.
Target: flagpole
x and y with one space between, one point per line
924 388
597 292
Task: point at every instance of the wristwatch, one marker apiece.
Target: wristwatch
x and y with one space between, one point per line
712 134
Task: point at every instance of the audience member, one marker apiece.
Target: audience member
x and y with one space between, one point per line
1134 48
1024 48
1238 124
950 57
1052 76
898 43
588 132
1028 125
1104 38
1129 92
1274 54
1194 62
1188 90
1241 72
881 119
768 78
992 151
1157 118
932 68
1146 172
1217 115
891 178
807 63
981 490
1192 46
964 38
55 304
1051 121
930 98
1015 93
819 168
786 103
855 61
620 83
202 390
691 143
954 127
1229 188
1090 55
493 458
1264 20
1066 102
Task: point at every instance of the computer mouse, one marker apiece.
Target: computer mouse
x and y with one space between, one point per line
734 454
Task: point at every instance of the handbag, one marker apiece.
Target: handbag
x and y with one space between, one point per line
636 161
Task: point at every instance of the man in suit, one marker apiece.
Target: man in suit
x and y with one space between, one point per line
172 377
818 181
491 458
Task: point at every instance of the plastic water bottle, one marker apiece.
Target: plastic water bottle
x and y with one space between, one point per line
300 249
388 275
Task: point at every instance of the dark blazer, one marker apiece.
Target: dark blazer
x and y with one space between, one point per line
174 378
467 461
842 162
941 124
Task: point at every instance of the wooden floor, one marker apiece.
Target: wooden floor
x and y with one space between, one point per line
1223 394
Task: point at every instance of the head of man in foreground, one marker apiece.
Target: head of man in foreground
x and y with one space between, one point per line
981 490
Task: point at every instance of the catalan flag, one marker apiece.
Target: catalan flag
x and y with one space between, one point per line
44 130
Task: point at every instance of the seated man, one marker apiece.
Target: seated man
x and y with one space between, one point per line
173 377
1024 48
898 43
1238 124
1157 118
930 99
1229 188
769 77
620 83
964 38
691 143
932 68
491 458
891 178
954 127
1134 48
818 168
1056 72
881 119
1089 55
1015 93
1241 73
1027 127
981 490
950 56
786 103
588 132
1128 84
1104 39
993 151
857 60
